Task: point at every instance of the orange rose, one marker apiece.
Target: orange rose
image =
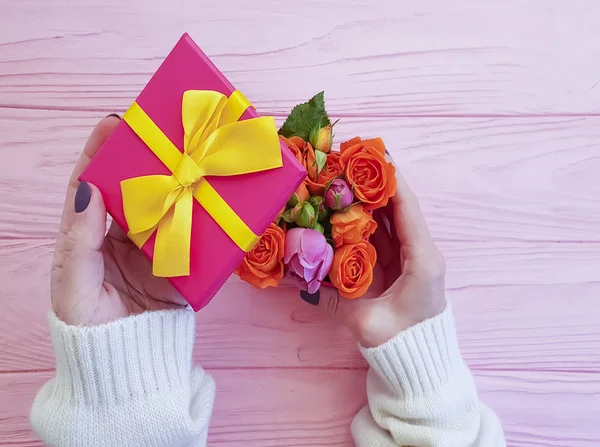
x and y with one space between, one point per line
310 162
373 179
263 266
331 170
352 269
352 225
304 153
294 144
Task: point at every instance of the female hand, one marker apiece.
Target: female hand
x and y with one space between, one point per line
408 286
96 276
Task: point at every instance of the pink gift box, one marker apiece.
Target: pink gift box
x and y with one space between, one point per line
257 198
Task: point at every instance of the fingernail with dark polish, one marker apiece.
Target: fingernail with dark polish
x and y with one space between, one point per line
310 298
116 115
82 197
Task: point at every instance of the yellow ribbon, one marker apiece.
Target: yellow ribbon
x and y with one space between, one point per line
215 143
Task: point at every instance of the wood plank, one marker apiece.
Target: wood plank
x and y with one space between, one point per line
478 179
516 307
299 408
410 58
258 407
514 202
544 408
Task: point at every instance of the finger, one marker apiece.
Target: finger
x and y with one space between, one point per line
82 264
98 136
326 299
388 212
89 224
388 265
409 221
382 241
311 298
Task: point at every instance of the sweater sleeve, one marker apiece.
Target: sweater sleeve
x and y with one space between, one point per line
421 393
127 383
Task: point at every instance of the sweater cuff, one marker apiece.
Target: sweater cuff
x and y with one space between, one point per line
134 356
421 359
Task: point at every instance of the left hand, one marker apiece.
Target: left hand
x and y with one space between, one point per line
98 277
408 278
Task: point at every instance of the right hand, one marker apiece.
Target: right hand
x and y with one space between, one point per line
408 287
98 277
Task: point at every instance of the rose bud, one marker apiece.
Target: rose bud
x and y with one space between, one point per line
318 203
308 257
317 226
301 195
304 214
339 195
321 138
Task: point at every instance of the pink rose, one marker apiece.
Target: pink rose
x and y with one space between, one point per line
308 257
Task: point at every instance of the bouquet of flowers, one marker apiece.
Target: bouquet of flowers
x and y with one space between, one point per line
322 235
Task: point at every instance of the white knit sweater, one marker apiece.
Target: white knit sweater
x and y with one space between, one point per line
131 383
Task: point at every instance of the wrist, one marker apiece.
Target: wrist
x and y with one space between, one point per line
90 360
384 322
76 316
423 359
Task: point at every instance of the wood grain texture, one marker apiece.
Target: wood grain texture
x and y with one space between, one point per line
516 309
301 408
491 111
478 179
428 57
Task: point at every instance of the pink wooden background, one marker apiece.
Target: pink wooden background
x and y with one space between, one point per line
492 110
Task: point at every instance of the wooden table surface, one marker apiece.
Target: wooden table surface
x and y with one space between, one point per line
490 108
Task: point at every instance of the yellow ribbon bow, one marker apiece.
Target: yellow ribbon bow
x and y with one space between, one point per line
215 143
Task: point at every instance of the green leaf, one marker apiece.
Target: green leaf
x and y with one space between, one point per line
321 159
317 226
304 117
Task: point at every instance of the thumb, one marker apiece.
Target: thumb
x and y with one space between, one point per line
89 227
80 262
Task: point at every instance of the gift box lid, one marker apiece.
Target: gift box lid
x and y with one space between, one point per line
257 198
